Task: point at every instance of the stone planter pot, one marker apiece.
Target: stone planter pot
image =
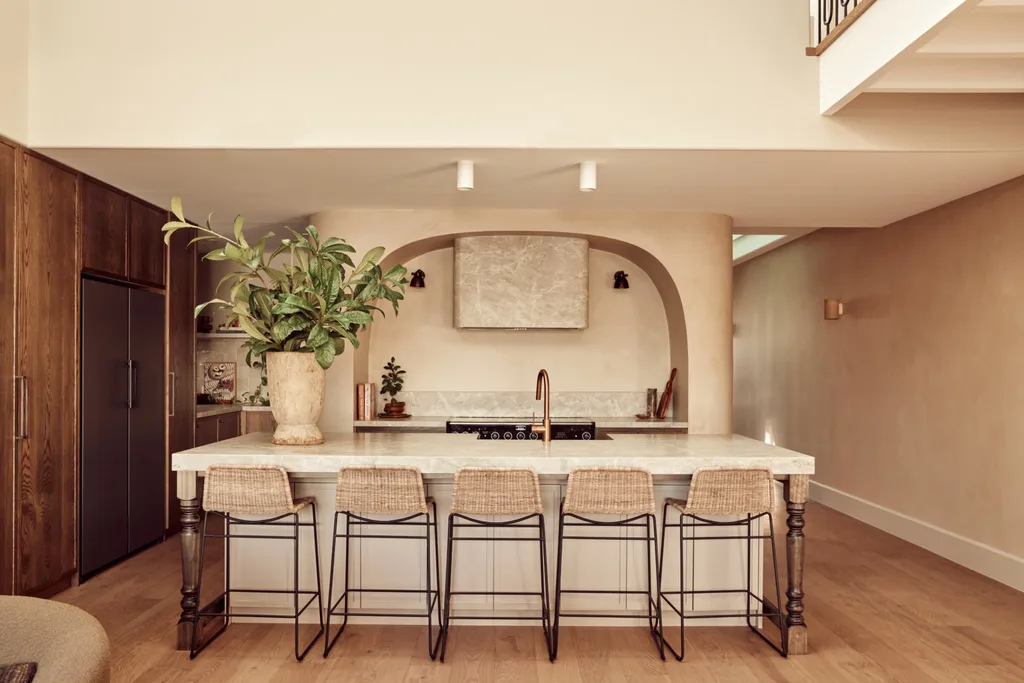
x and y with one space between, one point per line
394 409
296 384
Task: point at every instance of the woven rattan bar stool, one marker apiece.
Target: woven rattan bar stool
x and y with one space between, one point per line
385 497
627 492
745 493
255 491
513 494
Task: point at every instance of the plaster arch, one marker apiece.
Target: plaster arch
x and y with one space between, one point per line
662 279
687 254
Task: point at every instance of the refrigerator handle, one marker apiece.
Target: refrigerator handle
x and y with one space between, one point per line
131 384
21 429
173 378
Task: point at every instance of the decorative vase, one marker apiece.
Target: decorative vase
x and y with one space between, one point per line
394 409
296 383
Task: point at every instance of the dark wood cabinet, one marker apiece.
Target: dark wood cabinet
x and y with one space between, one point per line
8 402
146 247
229 426
206 430
104 214
46 351
181 358
217 428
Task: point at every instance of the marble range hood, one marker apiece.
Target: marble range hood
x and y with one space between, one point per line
521 282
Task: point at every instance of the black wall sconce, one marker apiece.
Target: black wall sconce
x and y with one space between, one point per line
417 279
620 280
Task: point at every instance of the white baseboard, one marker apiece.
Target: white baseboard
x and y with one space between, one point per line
986 560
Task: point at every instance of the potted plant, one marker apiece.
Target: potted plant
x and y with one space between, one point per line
300 314
391 383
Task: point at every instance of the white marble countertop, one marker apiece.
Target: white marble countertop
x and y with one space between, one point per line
438 422
207 410
212 410
662 454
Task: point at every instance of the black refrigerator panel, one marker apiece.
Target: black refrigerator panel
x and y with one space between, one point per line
105 386
146 460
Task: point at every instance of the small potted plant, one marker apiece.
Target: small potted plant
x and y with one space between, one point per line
391 384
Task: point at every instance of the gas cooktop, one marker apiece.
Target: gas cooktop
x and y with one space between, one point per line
519 428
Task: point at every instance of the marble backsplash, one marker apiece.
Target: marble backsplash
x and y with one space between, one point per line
523 403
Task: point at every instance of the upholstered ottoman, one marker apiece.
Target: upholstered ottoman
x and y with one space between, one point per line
68 644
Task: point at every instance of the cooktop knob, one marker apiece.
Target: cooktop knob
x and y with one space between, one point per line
520 435
586 436
494 435
508 436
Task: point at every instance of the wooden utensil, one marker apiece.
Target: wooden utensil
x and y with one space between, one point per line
666 396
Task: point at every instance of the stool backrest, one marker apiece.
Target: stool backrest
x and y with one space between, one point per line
610 491
731 491
496 491
380 490
248 490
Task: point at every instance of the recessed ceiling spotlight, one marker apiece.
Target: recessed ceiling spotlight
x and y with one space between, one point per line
588 176
464 176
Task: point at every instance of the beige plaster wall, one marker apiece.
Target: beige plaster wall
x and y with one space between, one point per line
687 256
684 74
914 399
625 347
14 69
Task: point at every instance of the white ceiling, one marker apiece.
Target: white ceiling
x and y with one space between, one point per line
785 192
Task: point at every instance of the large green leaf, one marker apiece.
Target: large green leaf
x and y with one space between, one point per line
176 208
370 258
325 354
200 307
246 324
317 336
239 236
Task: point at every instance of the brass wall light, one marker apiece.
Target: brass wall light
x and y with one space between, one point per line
833 309
620 280
417 279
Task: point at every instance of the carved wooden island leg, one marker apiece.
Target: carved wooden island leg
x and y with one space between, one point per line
796 490
189 557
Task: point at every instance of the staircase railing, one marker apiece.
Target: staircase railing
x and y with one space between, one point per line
831 18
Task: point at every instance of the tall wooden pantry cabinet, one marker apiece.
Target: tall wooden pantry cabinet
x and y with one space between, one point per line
39 370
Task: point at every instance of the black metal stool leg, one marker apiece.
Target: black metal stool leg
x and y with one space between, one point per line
433 593
299 656
654 585
330 588
295 592
780 621
545 591
447 587
682 587
558 583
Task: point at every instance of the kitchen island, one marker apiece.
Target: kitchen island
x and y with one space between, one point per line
671 458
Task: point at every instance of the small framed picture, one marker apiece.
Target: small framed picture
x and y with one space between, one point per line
219 381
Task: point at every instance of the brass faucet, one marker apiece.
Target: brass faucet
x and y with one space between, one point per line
544 385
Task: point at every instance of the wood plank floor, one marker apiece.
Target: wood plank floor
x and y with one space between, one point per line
879 609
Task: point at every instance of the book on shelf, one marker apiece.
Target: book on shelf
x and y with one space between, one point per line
370 402
360 401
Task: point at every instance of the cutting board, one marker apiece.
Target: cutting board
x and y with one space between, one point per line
666 396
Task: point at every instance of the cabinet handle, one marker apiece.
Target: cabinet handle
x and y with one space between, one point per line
21 431
131 384
173 378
